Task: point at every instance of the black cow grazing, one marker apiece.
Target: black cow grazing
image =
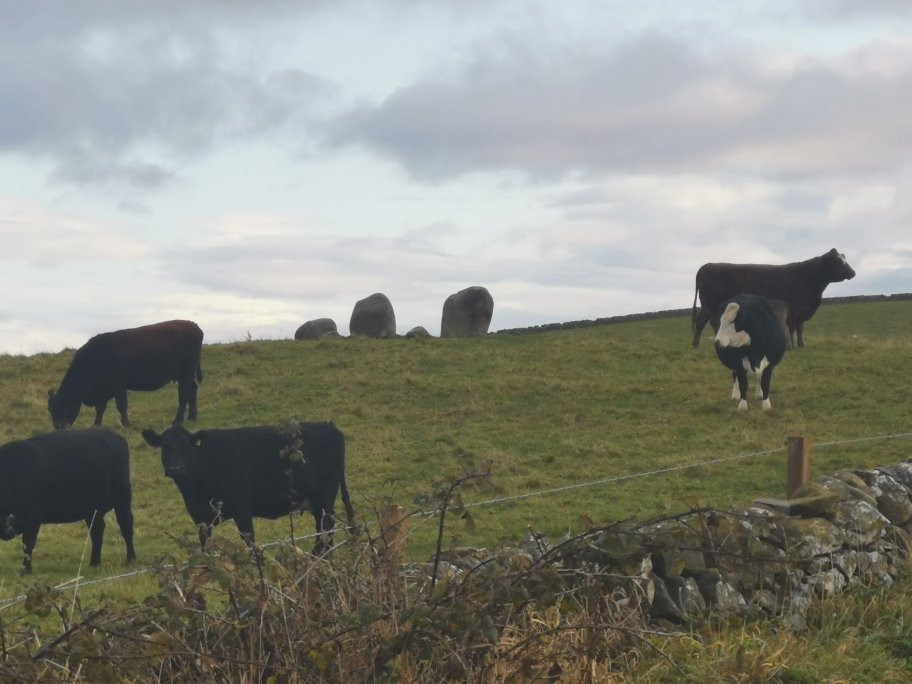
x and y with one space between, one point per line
800 285
750 339
63 477
143 359
247 472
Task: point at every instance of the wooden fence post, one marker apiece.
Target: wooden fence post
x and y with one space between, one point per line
394 530
799 464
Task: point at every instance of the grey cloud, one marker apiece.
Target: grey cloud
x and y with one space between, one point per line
843 9
129 97
652 105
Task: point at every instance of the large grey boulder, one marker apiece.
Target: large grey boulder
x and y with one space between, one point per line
467 313
315 329
373 317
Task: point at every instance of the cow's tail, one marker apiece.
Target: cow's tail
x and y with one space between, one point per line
199 373
693 312
349 511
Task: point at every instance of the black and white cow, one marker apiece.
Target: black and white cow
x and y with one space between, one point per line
62 477
750 340
243 473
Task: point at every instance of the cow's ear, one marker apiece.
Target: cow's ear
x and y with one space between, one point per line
152 438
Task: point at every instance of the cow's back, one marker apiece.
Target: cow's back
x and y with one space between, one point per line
718 282
245 467
168 351
143 359
65 473
256 467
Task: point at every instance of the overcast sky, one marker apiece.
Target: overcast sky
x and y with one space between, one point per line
253 165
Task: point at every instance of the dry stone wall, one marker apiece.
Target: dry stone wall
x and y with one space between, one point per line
752 561
672 313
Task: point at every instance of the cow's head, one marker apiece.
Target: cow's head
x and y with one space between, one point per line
63 411
177 447
836 268
731 328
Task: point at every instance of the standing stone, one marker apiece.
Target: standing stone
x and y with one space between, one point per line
373 317
467 313
315 329
418 332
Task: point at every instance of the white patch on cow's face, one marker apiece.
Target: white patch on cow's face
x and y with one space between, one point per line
742 404
736 391
767 404
727 335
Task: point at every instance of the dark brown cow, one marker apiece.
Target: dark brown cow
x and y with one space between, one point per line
142 359
800 285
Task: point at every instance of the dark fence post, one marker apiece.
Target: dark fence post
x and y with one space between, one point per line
799 464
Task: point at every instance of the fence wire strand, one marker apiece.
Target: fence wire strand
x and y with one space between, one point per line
77 583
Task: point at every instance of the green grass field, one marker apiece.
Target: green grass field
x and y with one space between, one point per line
544 410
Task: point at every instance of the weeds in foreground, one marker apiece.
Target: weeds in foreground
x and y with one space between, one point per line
240 615
545 613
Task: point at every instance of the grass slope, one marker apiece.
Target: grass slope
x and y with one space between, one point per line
544 410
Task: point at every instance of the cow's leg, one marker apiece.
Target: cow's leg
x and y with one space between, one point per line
244 522
124 516
204 530
183 392
324 521
120 400
741 376
96 525
29 539
194 388
799 327
765 380
736 390
700 321
99 412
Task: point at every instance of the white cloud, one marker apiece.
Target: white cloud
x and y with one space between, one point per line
32 233
255 165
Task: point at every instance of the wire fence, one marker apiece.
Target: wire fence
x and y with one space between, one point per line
78 583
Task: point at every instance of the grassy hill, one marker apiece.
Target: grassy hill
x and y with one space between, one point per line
544 411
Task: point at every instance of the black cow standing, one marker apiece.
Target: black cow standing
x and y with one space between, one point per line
750 339
800 285
63 477
248 472
143 359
